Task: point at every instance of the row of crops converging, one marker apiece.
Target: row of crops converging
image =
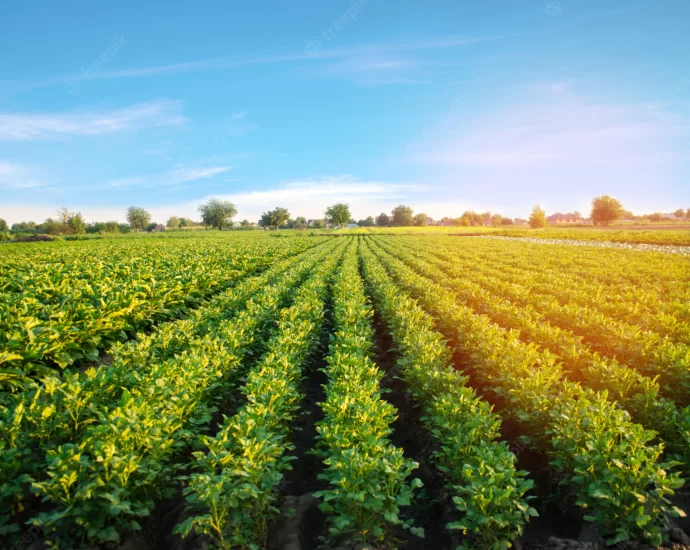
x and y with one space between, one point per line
394 391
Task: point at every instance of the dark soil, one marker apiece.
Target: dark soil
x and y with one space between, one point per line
431 508
301 523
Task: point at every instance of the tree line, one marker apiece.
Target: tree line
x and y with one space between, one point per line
219 214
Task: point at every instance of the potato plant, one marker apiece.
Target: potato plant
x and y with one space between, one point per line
609 462
232 491
487 489
367 475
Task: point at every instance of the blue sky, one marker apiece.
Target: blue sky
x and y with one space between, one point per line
444 106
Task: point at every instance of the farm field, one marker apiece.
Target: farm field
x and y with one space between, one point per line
294 390
670 235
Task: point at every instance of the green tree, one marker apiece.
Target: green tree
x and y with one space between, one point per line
402 215
245 223
173 222
317 224
368 222
24 227
3 225
687 214
53 227
138 218
656 217
606 209
506 221
274 218
338 214
680 213
63 216
496 219
471 218
300 222
537 218
216 213
76 224
420 219
186 222
111 227
382 220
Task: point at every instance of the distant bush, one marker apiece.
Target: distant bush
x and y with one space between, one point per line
35 238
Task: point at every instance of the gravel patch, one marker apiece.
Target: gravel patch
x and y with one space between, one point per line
669 249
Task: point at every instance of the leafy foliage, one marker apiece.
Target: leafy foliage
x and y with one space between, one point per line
480 472
537 218
366 474
231 495
606 209
609 462
217 214
338 214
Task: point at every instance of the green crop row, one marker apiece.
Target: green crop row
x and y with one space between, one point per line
57 411
645 351
480 472
366 474
637 393
68 309
232 491
607 462
632 303
127 449
657 304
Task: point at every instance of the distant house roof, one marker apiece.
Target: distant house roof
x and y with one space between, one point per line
558 216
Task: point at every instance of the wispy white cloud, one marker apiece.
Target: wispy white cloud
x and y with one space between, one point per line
183 175
222 63
176 176
18 177
565 130
42 126
310 197
381 70
306 197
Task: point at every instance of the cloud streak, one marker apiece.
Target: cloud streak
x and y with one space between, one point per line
557 134
222 63
305 197
310 197
175 177
47 126
17 177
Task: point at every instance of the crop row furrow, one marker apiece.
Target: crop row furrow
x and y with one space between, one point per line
647 352
129 443
480 473
232 490
606 460
639 394
630 305
58 324
366 474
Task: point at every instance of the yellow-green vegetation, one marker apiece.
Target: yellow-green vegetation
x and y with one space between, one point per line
678 236
143 373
